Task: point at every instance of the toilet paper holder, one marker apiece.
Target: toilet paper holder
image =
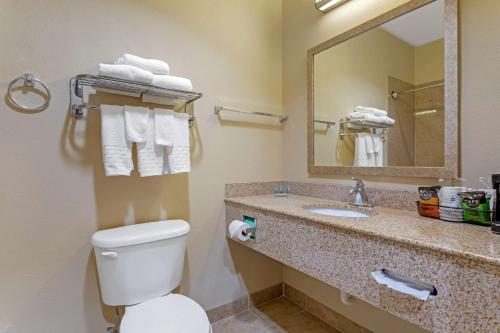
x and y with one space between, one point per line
249 231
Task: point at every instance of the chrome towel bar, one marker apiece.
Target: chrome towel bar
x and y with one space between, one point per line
219 108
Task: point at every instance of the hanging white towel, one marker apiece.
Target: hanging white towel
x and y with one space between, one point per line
172 132
172 82
136 123
363 145
126 72
151 65
378 148
164 130
150 155
178 156
116 151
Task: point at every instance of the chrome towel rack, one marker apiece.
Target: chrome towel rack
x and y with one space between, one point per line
343 123
218 109
78 105
29 81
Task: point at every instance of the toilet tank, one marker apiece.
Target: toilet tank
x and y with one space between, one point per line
139 262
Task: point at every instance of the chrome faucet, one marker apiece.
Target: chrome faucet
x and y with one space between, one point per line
360 197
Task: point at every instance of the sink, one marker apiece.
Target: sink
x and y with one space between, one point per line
340 212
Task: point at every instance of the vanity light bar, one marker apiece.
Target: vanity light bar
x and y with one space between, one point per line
327 5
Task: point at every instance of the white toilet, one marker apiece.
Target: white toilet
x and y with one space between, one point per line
139 266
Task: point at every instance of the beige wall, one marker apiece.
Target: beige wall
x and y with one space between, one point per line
54 194
429 62
305 27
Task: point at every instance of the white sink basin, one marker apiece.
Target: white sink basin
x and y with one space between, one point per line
340 212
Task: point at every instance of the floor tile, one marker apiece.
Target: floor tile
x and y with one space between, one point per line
305 322
277 311
246 322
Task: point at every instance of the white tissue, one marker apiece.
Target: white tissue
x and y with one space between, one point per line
407 286
237 230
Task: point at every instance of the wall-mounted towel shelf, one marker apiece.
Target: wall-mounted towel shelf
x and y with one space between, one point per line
78 105
343 124
218 109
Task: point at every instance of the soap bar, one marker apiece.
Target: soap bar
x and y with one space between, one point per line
429 201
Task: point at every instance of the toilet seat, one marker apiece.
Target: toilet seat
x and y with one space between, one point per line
172 313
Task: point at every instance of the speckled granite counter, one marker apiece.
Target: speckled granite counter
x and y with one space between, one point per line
462 261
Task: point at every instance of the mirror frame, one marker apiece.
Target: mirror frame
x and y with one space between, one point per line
451 124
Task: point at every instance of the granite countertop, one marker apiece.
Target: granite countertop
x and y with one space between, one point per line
466 240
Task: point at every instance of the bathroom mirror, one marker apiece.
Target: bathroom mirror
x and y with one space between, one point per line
382 97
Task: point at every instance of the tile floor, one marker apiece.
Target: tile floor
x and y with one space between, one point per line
277 316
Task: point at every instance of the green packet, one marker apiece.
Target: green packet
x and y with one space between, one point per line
476 206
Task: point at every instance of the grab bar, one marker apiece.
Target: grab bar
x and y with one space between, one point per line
218 109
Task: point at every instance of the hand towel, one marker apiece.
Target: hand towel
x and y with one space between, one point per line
378 148
361 157
172 82
151 65
164 130
172 132
150 155
136 123
370 110
116 151
126 72
178 157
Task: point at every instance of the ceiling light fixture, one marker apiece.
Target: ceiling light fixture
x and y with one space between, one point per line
327 5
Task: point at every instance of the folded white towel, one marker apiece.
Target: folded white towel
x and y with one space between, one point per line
164 130
136 123
172 82
154 66
359 119
369 143
116 151
150 155
126 72
370 110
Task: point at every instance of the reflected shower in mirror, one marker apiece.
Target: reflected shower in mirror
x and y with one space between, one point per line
379 96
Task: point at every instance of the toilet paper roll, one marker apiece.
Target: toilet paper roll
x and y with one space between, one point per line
237 230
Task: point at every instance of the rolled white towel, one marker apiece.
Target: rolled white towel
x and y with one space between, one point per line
370 110
172 82
126 72
154 66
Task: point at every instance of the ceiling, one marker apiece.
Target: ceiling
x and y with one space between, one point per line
419 27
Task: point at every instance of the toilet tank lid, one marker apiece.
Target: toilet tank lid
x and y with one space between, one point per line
140 233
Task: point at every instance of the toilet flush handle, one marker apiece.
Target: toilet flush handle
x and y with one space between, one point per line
112 255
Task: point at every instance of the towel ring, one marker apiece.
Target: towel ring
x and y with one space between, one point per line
29 81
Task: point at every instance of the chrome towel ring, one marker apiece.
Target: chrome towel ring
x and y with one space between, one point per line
29 81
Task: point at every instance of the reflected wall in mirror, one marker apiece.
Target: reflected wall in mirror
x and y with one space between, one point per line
377 95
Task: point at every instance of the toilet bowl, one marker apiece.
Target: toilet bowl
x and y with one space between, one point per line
138 267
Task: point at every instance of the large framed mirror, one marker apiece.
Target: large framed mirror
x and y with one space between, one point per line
383 97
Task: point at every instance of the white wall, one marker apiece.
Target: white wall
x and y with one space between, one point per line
54 194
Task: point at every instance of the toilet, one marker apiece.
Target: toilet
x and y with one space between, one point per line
139 266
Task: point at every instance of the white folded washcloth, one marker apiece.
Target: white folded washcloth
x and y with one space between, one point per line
126 72
172 132
378 147
150 155
136 123
154 66
172 82
370 110
116 151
